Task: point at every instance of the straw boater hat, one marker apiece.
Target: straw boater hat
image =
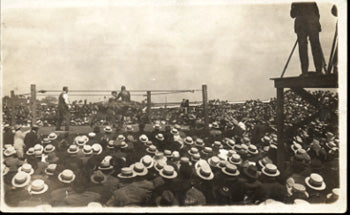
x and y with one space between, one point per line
46 141
207 150
52 136
177 126
265 160
331 145
66 176
298 191
217 144
175 155
110 144
204 172
120 138
27 168
231 152
188 140
230 170
98 177
49 148
160 137
139 169
214 161
270 170
174 131
108 129
38 147
159 156
94 205
152 149
37 187
91 134
123 145
73 149
96 148
148 143
143 138
193 151
87 150
265 139
222 164
147 161
295 146
199 142
329 136
315 182
129 128
298 139
195 157
105 164
185 160
30 151
215 125
302 155
126 172
191 117
168 153
50 169
246 140
159 165
20 179
38 154
230 143
235 159
244 148
252 149
168 172
334 194
10 151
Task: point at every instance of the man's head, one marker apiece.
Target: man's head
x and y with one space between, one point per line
123 88
114 93
65 89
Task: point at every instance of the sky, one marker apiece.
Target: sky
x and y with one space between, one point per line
232 47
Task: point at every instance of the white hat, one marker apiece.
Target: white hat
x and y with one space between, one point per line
188 140
147 161
49 148
96 148
152 149
143 138
139 169
315 181
72 149
214 161
66 176
193 151
50 169
87 150
10 151
92 134
21 179
160 137
168 172
38 186
270 170
52 136
108 129
27 168
230 169
204 172
126 172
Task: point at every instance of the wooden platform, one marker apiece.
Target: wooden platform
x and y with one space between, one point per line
312 81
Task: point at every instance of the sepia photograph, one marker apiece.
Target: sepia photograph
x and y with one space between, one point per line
197 106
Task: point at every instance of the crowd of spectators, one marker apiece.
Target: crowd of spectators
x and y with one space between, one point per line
179 161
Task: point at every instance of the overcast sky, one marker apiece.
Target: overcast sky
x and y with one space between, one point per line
234 48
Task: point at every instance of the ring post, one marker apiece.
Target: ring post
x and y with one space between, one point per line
205 105
149 105
33 102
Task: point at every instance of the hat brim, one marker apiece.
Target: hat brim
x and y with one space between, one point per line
72 152
188 143
256 176
9 154
52 138
211 164
105 168
143 173
65 181
21 185
208 178
46 187
120 175
92 178
87 153
174 175
220 147
53 149
48 173
254 153
235 163
29 153
151 152
269 174
107 130
30 173
322 187
229 173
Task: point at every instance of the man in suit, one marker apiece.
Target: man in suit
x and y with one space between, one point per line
307 25
32 137
63 110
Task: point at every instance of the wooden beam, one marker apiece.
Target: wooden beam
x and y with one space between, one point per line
312 81
280 130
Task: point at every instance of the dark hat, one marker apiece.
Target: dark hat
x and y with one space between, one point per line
251 171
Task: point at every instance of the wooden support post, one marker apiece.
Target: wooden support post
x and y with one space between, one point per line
12 106
149 105
33 102
280 130
205 105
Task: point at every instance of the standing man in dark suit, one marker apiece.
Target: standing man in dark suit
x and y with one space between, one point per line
32 137
307 25
63 110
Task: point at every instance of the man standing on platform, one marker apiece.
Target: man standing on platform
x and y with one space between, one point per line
63 110
307 24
